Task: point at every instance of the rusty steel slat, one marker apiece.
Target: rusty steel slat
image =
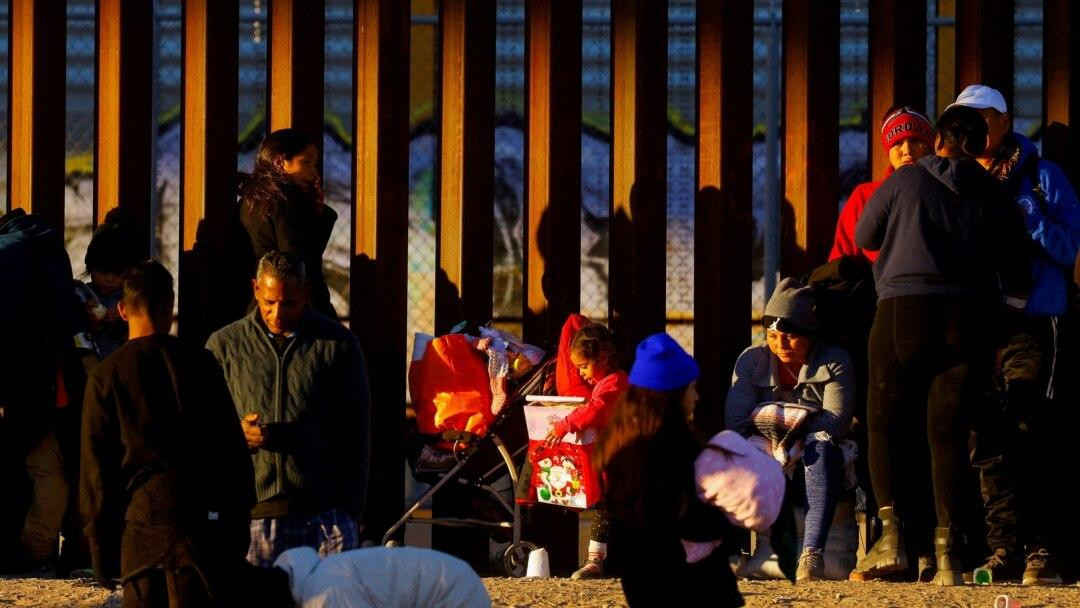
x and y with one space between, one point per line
811 157
378 286
297 31
464 230
552 268
124 124
210 46
638 230
36 110
984 45
723 217
897 67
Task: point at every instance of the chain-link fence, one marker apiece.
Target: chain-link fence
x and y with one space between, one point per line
681 178
1027 70
337 153
595 156
765 165
165 206
509 231
79 130
251 91
854 96
423 124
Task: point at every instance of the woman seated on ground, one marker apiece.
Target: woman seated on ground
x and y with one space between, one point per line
794 390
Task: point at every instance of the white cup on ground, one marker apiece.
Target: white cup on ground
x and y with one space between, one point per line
538 564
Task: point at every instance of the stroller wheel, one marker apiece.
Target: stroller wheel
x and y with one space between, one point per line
516 558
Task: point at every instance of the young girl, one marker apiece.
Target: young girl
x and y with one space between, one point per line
646 461
281 207
594 355
108 256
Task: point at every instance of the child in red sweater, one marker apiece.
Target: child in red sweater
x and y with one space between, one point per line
594 355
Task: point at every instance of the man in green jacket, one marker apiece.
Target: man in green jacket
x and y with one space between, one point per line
300 387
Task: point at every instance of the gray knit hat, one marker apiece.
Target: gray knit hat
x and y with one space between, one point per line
791 308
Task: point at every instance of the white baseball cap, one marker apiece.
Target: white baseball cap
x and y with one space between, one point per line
980 96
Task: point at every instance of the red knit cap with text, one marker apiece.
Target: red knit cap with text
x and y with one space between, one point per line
905 123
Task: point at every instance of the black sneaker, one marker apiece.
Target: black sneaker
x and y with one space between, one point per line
1004 566
1041 569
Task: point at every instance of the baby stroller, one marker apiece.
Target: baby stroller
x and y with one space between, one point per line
478 448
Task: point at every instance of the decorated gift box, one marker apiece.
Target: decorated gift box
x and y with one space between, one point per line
562 474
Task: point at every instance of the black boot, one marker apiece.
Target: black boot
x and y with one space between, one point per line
888 554
950 570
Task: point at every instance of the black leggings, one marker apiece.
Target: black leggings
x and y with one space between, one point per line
929 356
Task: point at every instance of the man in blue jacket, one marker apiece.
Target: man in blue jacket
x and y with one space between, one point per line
1031 361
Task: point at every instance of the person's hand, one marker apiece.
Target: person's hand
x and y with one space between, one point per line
553 437
253 431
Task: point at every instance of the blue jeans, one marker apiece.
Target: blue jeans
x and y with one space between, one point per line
823 464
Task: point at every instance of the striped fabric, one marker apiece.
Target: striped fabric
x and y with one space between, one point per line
778 430
328 533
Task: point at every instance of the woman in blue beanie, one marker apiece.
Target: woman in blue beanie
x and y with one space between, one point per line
646 462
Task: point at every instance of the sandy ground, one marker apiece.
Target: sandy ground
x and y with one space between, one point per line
607 593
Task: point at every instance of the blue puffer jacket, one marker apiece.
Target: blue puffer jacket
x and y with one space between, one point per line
1054 226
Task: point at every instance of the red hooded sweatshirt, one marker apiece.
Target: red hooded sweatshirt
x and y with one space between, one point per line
568 382
844 243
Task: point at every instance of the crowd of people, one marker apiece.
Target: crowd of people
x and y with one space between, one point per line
922 367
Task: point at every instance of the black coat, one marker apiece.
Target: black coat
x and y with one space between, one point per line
165 467
944 226
649 555
290 223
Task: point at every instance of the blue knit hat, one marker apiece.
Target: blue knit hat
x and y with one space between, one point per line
662 365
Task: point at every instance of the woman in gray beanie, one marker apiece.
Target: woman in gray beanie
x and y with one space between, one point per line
797 388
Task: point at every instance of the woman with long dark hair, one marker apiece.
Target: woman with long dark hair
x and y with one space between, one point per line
646 462
282 208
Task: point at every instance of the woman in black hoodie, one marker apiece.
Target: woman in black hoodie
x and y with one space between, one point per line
952 247
282 208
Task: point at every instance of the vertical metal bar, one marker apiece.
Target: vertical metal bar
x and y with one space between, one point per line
1061 81
465 228
638 230
37 97
295 80
945 56
208 167
897 75
552 270
811 130
984 45
380 238
723 216
124 129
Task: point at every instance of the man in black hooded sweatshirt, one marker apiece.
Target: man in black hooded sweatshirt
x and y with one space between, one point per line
953 248
166 482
